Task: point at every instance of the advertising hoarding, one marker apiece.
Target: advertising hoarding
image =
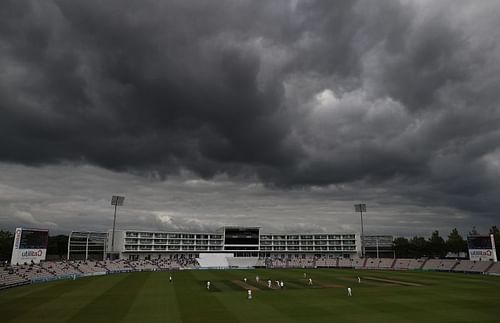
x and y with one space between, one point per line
482 248
30 246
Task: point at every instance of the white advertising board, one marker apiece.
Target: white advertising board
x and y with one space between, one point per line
22 256
482 248
30 245
482 255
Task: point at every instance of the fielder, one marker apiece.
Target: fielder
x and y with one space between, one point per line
269 283
359 280
257 278
349 291
310 281
170 278
249 294
245 279
208 285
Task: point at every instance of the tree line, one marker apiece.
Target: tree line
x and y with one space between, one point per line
436 246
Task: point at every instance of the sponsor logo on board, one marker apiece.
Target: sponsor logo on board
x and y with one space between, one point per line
32 253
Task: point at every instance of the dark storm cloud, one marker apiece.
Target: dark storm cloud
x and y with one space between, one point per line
152 86
298 93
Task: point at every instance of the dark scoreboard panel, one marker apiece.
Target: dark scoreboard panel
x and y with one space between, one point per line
34 239
479 242
241 236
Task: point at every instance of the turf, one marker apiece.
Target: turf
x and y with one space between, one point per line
382 296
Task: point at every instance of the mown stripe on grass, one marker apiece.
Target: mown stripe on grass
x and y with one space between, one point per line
17 306
21 291
354 282
113 304
155 301
295 308
171 309
392 281
197 304
66 305
231 285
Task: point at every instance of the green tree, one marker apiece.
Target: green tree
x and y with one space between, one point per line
419 247
402 247
437 246
455 242
6 243
58 246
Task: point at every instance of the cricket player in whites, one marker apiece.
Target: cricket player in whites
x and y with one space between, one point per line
208 285
269 283
310 281
359 280
249 294
349 291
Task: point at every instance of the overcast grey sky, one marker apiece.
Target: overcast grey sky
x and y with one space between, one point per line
281 114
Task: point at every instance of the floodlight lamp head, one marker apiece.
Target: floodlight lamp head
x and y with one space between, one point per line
360 207
117 200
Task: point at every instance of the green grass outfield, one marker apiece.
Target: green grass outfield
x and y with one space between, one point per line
382 296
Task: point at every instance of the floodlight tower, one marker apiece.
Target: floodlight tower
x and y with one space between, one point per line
116 201
361 208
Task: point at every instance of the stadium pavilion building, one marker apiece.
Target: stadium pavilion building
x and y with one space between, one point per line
232 241
239 241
